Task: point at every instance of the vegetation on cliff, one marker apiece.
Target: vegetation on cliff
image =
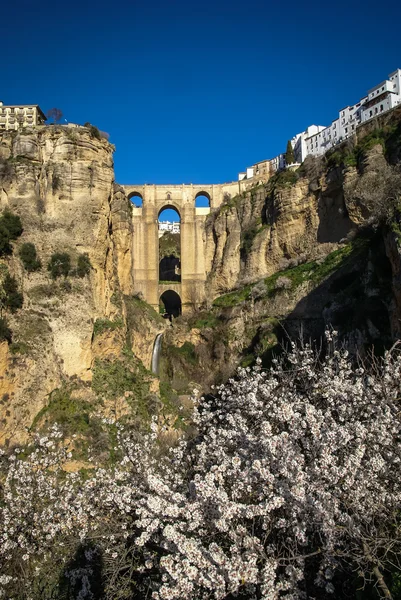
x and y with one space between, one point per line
290 483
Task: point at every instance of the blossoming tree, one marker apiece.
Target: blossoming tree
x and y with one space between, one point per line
291 485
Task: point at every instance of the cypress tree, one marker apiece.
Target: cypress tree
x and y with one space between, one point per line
289 155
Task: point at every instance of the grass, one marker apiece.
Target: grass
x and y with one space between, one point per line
74 417
186 352
102 325
233 298
137 308
204 320
313 272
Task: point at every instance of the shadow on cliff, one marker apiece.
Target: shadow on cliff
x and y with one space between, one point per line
334 221
355 300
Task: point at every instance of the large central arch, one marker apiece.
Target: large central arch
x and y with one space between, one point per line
169 244
172 303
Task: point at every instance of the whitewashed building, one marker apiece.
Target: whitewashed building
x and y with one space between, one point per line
383 97
299 142
317 139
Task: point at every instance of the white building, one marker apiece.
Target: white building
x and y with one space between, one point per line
299 142
172 227
383 97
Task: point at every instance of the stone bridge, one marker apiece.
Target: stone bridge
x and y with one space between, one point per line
182 198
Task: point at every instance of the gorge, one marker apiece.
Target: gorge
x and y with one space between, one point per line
300 252
212 413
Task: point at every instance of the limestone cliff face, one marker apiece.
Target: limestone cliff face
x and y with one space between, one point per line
60 181
249 237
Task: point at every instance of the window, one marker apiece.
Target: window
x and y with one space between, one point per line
381 107
383 88
376 110
370 113
346 130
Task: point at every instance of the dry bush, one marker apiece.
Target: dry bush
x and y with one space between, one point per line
283 283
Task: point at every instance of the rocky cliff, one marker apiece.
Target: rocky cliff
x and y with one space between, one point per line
309 249
60 181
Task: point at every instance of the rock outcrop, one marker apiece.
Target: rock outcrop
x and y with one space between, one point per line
60 181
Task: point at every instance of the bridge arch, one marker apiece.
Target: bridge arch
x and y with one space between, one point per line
138 202
172 303
169 244
170 206
202 200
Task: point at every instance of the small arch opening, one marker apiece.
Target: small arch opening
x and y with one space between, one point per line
171 302
202 200
136 199
169 245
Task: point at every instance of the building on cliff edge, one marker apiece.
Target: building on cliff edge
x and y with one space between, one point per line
317 139
16 116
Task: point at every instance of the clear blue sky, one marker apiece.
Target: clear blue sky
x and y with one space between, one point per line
196 91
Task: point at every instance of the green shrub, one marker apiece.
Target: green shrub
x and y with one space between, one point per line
94 131
12 298
283 179
19 348
111 379
59 264
5 331
73 415
10 229
83 266
12 223
29 257
5 247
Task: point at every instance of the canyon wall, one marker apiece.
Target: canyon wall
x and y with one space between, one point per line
60 181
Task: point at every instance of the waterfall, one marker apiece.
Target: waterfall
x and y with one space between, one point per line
156 354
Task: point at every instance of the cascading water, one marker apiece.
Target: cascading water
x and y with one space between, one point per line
156 354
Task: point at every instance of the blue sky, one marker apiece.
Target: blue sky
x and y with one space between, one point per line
196 91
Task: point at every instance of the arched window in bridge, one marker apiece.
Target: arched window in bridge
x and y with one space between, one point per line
169 245
170 304
136 199
202 200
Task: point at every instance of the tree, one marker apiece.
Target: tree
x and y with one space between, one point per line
13 223
10 229
12 298
55 114
5 331
290 484
59 265
289 154
29 257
